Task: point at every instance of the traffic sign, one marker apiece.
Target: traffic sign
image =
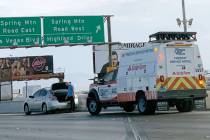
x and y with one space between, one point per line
60 30
20 31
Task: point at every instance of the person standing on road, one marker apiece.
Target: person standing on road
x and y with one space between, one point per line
70 96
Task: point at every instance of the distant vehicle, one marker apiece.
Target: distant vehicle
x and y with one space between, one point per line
48 99
207 75
167 71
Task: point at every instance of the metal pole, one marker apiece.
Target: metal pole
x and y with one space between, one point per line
184 16
26 89
11 89
94 65
11 76
109 40
0 91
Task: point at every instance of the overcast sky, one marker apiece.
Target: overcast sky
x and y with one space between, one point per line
133 21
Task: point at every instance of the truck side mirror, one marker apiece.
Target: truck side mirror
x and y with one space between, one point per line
31 97
101 81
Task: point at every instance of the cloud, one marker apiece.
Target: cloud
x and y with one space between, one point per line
61 7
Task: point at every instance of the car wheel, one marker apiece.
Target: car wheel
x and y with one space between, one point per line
94 107
44 109
26 110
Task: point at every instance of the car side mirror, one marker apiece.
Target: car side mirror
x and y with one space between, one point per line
31 97
101 81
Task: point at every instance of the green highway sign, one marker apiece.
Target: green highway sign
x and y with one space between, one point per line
60 30
20 41
20 31
49 31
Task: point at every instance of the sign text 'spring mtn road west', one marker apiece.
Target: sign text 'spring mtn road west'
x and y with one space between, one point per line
73 29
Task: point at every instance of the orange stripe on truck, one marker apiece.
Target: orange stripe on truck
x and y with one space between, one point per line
190 82
182 86
170 87
125 97
181 83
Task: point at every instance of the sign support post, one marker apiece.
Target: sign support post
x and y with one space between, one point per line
109 39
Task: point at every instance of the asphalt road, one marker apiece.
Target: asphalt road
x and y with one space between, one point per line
108 125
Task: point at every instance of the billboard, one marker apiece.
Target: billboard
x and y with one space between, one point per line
14 68
101 54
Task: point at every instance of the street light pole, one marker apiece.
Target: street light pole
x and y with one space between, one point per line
109 39
184 21
11 74
184 16
26 89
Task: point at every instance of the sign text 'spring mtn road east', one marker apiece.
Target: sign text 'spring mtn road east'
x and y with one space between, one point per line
20 31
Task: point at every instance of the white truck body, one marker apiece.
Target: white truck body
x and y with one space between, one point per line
162 71
141 68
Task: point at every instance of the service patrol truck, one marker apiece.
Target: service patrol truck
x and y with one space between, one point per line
165 72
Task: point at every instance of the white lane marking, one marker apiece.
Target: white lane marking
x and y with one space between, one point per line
135 132
208 137
5 114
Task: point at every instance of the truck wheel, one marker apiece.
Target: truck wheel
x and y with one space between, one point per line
129 107
184 105
142 105
94 107
146 107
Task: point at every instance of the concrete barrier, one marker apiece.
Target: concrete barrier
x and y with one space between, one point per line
11 107
208 100
82 102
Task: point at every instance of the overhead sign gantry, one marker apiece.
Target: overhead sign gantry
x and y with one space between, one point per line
18 32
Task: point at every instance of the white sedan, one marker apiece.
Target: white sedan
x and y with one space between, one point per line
46 100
